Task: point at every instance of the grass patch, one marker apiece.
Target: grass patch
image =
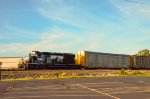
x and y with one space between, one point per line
123 72
63 75
137 73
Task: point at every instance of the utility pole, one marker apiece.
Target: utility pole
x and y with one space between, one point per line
0 70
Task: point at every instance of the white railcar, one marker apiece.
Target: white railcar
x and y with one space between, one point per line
10 62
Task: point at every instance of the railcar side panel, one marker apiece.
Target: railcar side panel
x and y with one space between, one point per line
103 60
141 62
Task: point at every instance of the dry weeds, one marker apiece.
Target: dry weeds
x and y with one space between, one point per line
55 74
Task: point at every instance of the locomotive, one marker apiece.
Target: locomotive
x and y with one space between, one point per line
49 60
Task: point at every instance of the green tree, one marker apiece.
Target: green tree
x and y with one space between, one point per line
144 52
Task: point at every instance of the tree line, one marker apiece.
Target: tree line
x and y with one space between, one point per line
144 52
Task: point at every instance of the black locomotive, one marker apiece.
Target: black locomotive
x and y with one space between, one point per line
49 60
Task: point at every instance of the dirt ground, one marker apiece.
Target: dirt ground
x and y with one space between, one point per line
50 74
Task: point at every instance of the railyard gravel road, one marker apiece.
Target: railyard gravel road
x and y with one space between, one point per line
81 88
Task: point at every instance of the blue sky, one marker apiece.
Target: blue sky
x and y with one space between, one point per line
112 26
